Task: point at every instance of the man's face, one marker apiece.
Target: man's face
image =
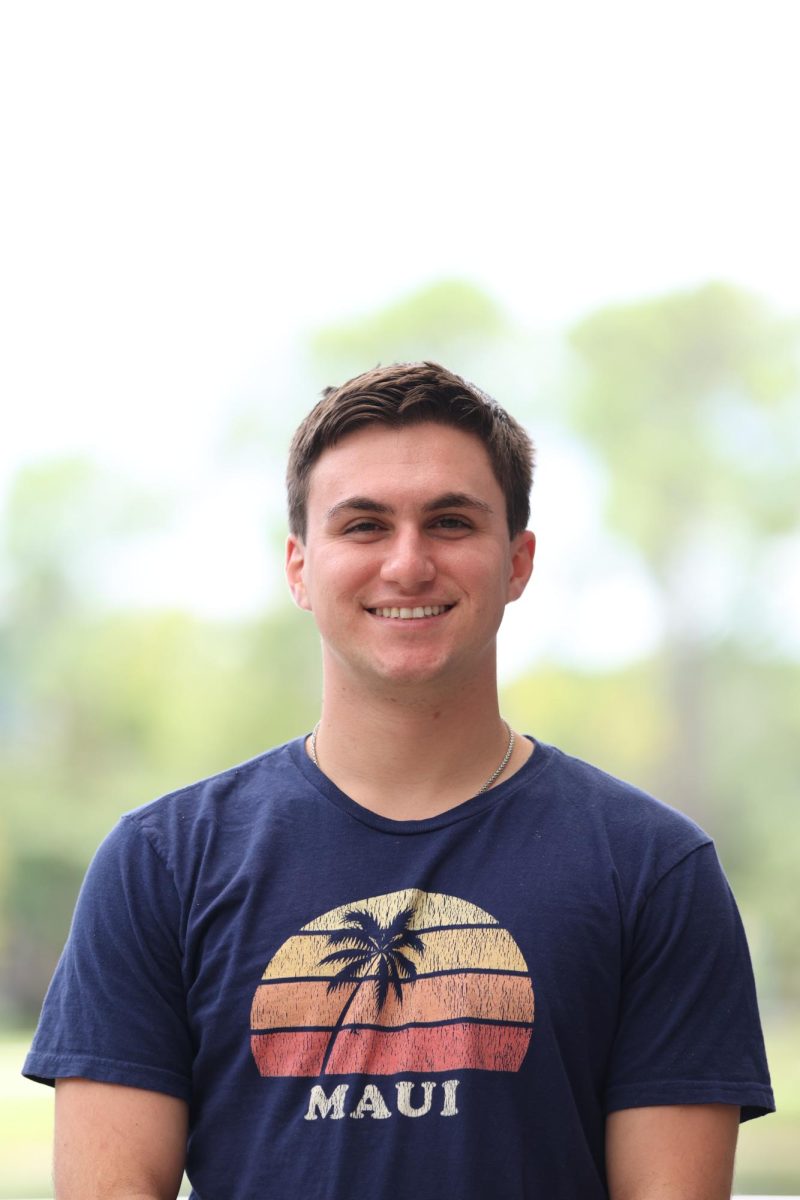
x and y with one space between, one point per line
407 564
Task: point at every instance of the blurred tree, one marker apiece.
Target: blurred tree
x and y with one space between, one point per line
454 322
102 710
42 897
693 404
693 401
60 516
447 319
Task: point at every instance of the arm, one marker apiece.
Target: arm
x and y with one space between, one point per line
117 1143
672 1152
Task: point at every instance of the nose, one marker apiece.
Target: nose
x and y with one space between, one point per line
408 562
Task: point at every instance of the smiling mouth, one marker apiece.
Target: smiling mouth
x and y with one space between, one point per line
411 614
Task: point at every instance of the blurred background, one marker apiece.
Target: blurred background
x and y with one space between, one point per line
211 213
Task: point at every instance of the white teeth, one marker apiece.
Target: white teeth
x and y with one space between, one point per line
408 614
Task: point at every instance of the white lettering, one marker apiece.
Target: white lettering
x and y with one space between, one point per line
449 1107
371 1102
318 1102
404 1105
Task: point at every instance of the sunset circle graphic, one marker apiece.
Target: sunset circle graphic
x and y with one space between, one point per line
410 981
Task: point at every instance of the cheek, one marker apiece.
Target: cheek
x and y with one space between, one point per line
344 571
487 580
336 578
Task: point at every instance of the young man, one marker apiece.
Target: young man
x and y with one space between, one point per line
414 954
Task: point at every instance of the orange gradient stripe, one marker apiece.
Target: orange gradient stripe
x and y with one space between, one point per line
278 1005
441 998
445 997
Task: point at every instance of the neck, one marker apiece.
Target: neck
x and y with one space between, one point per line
413 756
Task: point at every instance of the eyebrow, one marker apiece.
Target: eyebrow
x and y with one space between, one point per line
446 500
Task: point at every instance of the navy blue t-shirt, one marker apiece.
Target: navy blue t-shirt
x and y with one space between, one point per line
356 1006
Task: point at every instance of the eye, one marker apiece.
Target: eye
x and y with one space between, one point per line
364 526
451 522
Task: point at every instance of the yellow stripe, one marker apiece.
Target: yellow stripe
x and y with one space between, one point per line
445 950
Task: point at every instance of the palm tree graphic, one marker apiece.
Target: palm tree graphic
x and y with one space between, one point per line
371 951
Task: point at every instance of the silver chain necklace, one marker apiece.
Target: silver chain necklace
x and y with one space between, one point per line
496 773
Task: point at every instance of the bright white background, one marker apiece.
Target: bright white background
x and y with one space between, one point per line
190 189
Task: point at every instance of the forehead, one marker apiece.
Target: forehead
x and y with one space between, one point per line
412 461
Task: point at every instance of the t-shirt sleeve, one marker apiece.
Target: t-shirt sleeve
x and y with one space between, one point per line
689 1029
115 1009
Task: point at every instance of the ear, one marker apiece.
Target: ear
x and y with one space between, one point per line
523 548
295 571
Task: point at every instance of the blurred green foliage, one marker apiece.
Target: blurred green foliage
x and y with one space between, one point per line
689 404
446 319
692 402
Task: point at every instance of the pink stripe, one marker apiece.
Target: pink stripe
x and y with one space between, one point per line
289 1053
439 1048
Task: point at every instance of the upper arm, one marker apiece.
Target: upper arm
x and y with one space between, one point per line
671 1152
120 1141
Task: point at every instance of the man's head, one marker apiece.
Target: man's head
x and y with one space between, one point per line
410 394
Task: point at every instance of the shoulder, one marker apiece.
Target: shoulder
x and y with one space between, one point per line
227 791
186 820
615 800
640 836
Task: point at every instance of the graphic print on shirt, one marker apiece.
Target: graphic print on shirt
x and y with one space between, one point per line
410 981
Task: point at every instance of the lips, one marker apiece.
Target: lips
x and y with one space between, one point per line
411 614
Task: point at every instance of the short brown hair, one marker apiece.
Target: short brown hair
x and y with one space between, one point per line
409 394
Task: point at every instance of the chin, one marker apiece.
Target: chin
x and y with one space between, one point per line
417 674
